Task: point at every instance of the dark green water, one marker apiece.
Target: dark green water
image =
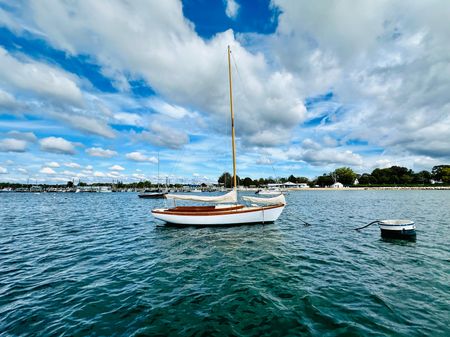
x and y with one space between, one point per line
97 264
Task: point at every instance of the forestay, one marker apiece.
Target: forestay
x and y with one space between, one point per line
268 201
230 197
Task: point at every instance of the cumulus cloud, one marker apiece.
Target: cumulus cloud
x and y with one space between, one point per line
232 9
47 170
27 136
84 120
385 62
122 49
13 145
164 136
8 103
375 64
38 78
125 118
167 109
100 152
57 145
331 156
53 164
72 165
3 170
117 168
139 157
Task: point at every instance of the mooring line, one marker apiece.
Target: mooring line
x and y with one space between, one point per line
306 223
369 224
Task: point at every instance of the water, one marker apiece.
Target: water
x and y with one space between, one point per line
97 264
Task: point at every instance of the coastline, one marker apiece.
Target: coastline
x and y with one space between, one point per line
379 188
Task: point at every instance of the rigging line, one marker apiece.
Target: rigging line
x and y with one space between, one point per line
239 75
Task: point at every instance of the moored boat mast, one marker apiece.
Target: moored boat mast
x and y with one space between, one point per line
233 145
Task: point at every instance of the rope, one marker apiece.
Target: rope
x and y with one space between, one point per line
305 223
369 224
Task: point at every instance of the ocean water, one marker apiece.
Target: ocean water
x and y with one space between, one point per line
98 265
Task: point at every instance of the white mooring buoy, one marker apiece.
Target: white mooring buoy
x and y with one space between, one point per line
400 229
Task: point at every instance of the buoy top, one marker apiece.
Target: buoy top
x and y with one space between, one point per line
396 222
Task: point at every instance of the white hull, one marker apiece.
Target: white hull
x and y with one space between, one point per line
397 225
245 215
269 193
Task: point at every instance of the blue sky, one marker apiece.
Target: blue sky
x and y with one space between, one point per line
98 91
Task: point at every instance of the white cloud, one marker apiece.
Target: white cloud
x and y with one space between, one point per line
99 174
22 170
8 103
387 68
89 167
125 118
117 168
375 64
72 165
113 174
38 78
232 9
164 136
86 123
12 145
167 109
331 156
47 170
27 136
154 50
139 157
57 145
53 164
3 170
100 152
264 161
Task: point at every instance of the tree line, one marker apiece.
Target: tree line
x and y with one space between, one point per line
392 176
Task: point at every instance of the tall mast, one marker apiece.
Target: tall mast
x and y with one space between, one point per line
233 145
158 171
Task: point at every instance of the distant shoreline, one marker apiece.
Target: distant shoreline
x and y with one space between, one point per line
432 188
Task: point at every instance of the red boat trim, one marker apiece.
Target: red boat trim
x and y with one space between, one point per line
202 208
217 212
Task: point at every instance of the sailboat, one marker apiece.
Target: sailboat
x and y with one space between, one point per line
226 210
154 195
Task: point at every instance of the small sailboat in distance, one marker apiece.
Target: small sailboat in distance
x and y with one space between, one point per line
158 194
226 210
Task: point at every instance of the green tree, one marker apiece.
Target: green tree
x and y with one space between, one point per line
247 182
367 179
345 175
227 180
446 175
70 184
438 171
324 180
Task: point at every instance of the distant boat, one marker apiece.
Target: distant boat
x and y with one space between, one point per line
152 195
105 189
230 213
196 190
269 192
158 194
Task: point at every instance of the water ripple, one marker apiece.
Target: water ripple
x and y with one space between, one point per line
98 264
